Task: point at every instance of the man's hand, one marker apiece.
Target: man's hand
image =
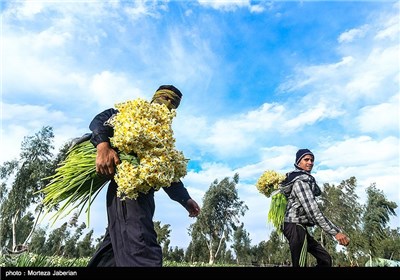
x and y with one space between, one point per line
342 239
106 160
193 208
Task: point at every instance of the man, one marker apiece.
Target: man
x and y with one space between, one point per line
130 238
302 211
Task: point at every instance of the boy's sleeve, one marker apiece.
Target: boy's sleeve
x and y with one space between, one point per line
310 205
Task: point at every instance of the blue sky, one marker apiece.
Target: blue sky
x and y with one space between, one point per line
260 80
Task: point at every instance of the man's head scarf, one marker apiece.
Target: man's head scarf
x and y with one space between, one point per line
173 95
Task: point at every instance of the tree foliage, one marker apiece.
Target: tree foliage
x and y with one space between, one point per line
217 229
340 205
26 174
376 218
241 245
220 216
163 233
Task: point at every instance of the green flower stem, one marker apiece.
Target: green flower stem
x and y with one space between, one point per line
75 182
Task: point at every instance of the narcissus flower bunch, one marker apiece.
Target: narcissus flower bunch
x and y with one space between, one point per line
145 143
145 129
268 184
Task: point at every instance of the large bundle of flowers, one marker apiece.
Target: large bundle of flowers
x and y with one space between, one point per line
268 184
144 139
145 129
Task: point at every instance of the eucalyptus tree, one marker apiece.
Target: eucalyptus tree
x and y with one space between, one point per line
55 243
38 241
21 181
71 242
163 234
197 251
242 245
220 215
340 205
278 249
259 254
85 247
228 258
390 247
176 255
376 219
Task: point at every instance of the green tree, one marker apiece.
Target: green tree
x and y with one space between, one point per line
98 241
24 227
56 240
38 240
258 256
197 250
278 249
220 215
228 257
390 247
176 254
340 205
20 182
241 246
163 234
85 247
272 252
34 164
376 218
71 242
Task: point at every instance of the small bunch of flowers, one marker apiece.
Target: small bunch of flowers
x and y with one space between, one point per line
268 184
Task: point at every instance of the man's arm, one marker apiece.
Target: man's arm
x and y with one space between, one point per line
100 132
303 192
107 158
179 193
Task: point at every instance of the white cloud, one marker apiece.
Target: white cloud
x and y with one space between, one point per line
352 34
27 58
276 158
311 116
109 88
367 71
233 5
367 159
209 172
225 5
235 134
11 137
138 10
390 27
18 122
360 151
317 75
380 118
26 9
373 73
